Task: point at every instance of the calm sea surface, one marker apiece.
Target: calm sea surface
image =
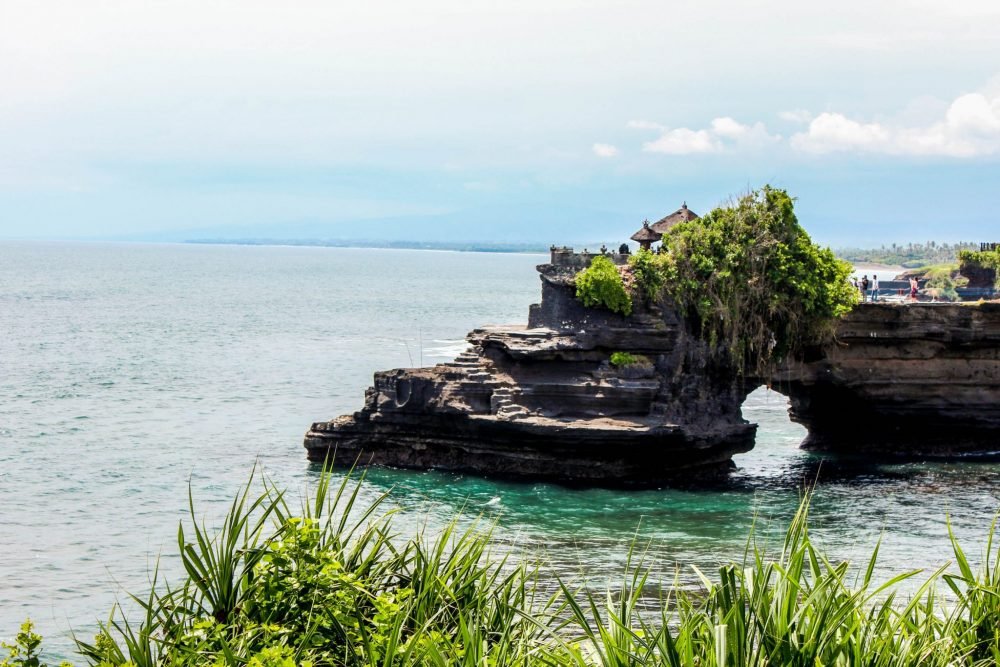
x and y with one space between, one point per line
128 372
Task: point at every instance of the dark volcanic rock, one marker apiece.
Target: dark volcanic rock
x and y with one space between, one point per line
903 379
982 277
543 402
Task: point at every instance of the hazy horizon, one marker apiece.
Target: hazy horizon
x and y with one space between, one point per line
524 122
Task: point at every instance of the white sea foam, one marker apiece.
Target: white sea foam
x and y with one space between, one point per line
445 349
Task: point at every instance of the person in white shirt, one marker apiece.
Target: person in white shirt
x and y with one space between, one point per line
874 288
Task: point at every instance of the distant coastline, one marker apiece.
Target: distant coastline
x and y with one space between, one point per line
896 258
456 246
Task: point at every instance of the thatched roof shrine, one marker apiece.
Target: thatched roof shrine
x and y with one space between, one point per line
646 236
683 214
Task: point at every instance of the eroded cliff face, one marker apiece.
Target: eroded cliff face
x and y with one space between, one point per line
902 379
543 402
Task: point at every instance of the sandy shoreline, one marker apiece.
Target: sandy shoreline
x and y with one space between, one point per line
887 271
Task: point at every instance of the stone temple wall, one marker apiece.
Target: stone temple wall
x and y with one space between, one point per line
566 259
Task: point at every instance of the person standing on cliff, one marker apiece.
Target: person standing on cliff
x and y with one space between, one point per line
874 288
864 288
914 286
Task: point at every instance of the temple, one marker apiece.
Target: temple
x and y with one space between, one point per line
683 214
649 234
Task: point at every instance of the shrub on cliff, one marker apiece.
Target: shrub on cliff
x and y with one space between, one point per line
619 359
647 272
980 264
600 284
980 258
747 276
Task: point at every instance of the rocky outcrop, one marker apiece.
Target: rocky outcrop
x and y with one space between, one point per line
543 401
903 379
979 277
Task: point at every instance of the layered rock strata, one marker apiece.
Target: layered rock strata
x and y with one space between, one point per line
903 379
543 401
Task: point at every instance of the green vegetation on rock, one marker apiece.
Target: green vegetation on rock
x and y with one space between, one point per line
983 258
624 359
984 262
333 585
647 273
601 285
748 277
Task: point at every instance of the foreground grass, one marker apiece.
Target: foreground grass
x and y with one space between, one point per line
329 584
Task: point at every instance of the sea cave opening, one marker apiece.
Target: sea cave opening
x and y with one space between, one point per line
776 449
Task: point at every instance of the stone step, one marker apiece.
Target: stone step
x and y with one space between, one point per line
512 411
500 402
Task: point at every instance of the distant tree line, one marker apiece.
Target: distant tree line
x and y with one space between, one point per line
911 255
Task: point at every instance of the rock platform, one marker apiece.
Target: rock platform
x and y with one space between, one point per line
903 379
542 401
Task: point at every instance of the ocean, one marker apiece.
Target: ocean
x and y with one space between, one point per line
130 372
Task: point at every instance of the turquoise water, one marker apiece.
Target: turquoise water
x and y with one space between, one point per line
129 371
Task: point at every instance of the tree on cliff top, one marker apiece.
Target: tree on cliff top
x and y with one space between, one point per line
748 277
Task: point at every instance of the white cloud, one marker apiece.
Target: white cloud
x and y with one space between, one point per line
970 128
727 127
967 127
682 141
722 134
755 135
605 150
975 113
829 132
795 116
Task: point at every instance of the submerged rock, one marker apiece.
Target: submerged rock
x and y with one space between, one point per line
543 401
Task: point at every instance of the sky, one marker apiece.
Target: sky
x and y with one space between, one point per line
538 121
